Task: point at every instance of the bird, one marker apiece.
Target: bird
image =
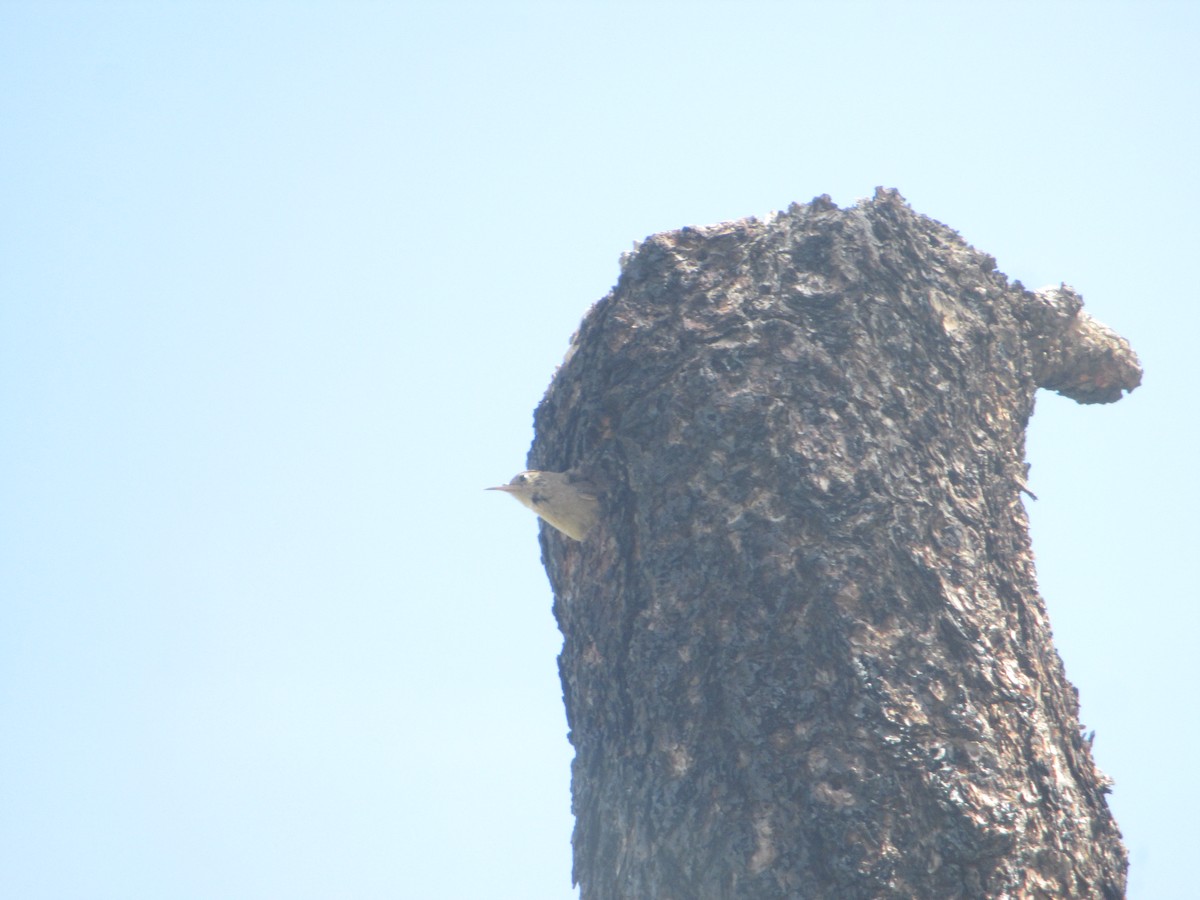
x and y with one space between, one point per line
565 500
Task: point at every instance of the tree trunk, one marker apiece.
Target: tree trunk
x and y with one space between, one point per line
805 655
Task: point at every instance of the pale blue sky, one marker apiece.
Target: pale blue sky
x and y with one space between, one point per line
280 285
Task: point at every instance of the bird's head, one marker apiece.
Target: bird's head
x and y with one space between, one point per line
522 484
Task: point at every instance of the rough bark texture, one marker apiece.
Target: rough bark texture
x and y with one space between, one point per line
805 655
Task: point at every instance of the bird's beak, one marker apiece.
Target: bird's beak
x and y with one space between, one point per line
507 488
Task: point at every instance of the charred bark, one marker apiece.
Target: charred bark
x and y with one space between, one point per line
805 655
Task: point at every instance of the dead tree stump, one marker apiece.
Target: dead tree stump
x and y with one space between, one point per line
805 655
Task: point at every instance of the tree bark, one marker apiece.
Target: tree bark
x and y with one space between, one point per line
805 655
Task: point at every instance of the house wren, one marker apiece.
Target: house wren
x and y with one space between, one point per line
565 500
